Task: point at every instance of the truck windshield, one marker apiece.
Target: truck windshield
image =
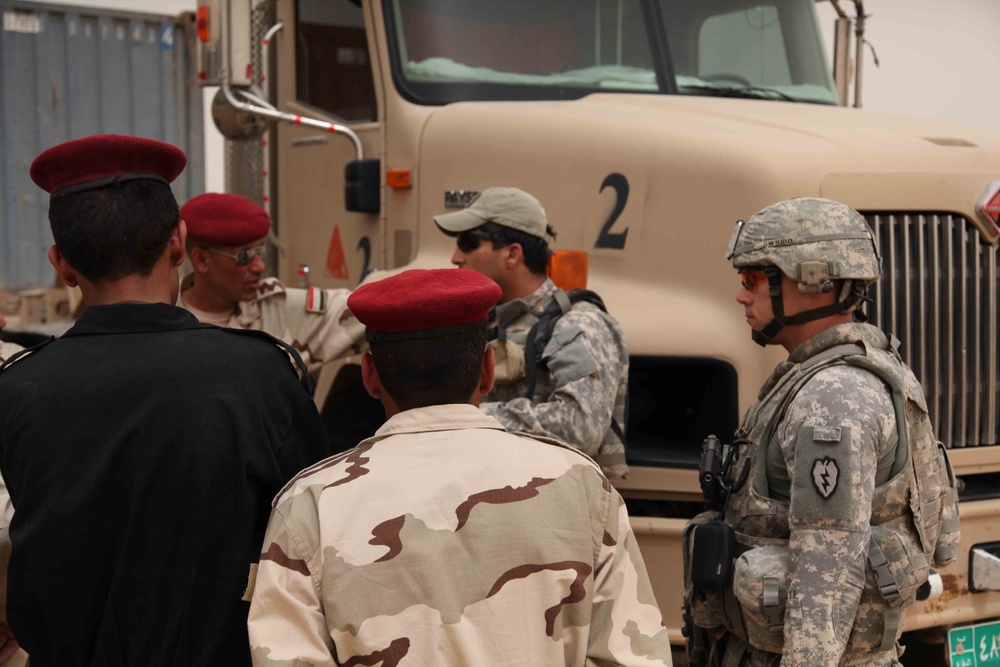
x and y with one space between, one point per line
454 50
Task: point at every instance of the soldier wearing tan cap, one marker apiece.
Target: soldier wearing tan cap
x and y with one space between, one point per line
226 235
142 448
444 540
579 390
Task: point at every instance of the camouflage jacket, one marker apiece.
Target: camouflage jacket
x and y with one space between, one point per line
582 388
820 451
315 321
444 540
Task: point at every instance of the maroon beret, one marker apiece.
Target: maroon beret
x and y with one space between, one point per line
223 219
105 159
424 303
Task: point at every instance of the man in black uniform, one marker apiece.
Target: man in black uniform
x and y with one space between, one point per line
141 449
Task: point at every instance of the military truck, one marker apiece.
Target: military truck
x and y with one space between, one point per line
646 128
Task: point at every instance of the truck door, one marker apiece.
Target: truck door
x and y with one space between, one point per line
324 71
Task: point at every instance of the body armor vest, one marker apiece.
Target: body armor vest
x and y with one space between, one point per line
914 511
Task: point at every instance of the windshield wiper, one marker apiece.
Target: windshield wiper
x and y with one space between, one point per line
752 92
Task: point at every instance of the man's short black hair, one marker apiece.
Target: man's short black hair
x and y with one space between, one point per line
536 250
117 231
420 372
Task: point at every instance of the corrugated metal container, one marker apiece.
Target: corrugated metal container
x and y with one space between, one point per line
68 72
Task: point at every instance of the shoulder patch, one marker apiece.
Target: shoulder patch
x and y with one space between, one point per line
270 287
825 476
316 300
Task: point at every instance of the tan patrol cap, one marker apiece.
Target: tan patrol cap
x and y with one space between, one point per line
508 207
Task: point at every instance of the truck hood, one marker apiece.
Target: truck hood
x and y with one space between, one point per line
873 161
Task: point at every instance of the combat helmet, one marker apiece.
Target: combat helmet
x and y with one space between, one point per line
814 242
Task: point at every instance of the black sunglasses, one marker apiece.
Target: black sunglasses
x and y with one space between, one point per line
470 240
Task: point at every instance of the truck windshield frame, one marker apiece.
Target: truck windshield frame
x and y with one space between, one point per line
445 51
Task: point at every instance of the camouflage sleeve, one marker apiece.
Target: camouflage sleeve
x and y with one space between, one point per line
586 359
831 439
626 627
340 334
286 625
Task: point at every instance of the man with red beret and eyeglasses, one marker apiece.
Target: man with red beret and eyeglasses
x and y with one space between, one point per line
142 448
445 540
226 235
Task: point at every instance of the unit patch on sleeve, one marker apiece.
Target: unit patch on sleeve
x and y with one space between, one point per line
316 300
825 475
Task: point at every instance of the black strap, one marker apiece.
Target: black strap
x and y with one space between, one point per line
534 345
20 354
304 378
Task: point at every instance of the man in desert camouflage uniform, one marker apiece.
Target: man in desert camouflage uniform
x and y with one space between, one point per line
841 498
226 235
582 375
443 539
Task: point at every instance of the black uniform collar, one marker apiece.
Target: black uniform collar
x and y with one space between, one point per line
133 318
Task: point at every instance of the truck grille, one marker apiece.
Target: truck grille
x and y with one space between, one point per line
938 295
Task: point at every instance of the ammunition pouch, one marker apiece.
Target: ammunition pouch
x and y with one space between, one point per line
509 361
760 584
705 608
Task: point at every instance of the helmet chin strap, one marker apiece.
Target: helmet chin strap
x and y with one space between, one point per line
771 329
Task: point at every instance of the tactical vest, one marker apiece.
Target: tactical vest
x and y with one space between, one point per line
914 516
521 370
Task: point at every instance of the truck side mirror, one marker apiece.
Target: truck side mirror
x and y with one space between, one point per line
361 185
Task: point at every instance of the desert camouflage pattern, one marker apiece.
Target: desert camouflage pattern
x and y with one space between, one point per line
828 494
583 388
444 540
318 337
807 229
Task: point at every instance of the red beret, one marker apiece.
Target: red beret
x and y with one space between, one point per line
224 219
423 303
103 159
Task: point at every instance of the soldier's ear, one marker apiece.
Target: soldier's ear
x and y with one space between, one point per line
487 372
369 376
199 259
513 255
176 244
62 267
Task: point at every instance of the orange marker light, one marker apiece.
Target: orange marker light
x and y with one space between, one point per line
398 178
568 269
204 33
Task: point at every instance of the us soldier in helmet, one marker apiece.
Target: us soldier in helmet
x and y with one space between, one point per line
839 498
571 385
445 540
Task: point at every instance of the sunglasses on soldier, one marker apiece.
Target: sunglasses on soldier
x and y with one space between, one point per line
469 241
243 256
751 277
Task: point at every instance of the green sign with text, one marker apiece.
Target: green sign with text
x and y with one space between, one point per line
975 645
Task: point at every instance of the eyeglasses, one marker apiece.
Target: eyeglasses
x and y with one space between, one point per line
469 241
243 256
750 278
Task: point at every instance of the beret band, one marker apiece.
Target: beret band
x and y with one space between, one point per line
99 183
393 336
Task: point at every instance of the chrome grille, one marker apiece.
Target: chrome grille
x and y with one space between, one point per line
938 295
